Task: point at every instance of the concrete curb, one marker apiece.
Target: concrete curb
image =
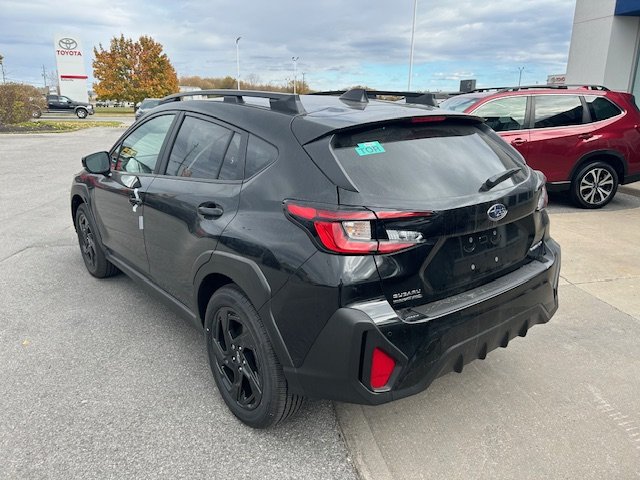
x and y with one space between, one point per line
361 443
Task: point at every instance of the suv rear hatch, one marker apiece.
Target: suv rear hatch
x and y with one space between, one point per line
455 207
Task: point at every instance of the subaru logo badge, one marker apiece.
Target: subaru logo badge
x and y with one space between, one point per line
497 212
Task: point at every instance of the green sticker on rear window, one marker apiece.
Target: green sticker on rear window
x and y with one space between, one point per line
369 148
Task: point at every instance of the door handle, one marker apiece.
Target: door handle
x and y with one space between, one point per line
135 199
214 212
516 142
585 136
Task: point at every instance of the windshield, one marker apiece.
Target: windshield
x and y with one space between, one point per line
458 104
417 161
149 103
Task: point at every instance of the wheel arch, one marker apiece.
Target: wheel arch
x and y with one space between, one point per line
79 196
224 268
611 157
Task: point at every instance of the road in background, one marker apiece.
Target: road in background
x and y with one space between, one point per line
100 380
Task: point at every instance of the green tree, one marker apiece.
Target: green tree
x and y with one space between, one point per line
131 71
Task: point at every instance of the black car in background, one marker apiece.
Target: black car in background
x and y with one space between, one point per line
62 104
330 247
146 105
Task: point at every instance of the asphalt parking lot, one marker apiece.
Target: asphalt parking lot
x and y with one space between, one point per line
99 380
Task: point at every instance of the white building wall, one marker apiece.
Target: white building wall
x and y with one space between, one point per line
603 47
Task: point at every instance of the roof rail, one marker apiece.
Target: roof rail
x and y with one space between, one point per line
530 87
279 102
361 94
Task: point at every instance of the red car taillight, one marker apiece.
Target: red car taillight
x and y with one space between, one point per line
353 231
382 366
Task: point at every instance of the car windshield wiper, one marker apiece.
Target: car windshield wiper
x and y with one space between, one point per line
498 178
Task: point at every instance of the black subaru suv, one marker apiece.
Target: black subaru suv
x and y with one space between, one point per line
345 247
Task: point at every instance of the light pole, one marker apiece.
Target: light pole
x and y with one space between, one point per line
2 68
295 71
303 84
413 34
521 69
238 61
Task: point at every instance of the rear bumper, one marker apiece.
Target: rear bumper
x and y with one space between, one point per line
441 341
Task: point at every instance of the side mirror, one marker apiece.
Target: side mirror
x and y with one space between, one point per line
97 163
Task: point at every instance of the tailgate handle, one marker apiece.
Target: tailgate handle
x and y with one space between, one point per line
210 211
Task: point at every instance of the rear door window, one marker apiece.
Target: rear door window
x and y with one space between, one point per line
504 114
200 150
413 161
557 111
601 108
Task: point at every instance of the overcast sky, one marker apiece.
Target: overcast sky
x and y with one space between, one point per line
339 43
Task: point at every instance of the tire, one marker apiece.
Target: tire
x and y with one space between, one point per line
594 185
248 374
82 113
92 252
36 112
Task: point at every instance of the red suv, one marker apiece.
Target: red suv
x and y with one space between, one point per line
585 139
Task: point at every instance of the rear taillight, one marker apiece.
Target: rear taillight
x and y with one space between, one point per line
354 231
382 366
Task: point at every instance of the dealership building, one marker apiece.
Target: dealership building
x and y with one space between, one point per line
605 45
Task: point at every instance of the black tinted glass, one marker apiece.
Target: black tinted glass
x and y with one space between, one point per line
232 166
199 149
259 155
504 114
408 162
557 111
601 108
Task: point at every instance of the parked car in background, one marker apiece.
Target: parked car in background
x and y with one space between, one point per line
146 105
328 247
61 104
585 139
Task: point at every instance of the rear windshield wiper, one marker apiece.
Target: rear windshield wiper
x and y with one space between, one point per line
498 178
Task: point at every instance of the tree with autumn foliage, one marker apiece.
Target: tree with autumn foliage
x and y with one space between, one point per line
132 71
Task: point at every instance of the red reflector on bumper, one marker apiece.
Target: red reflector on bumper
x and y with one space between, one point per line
382 366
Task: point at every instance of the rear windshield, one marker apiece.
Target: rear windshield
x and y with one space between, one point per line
422 162
458 104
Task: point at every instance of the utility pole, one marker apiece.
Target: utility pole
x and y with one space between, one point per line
295 70
413 34
303 84
44 76
238 61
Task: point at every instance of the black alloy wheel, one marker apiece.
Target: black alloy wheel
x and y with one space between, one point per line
87 241
246 370
92 252
236 358
594 185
